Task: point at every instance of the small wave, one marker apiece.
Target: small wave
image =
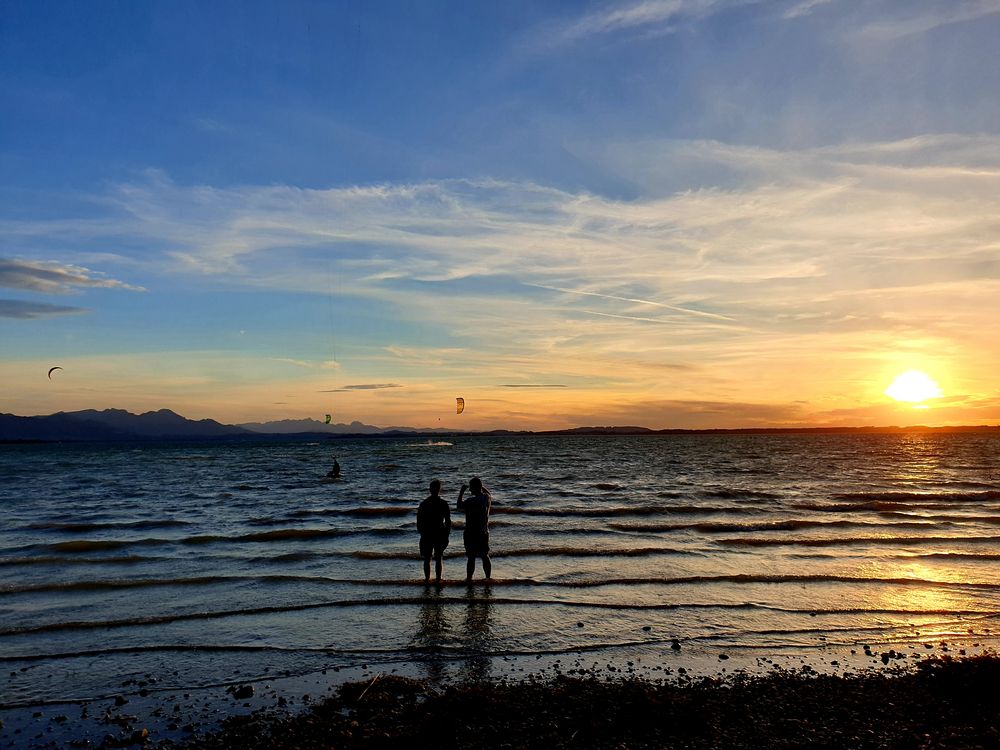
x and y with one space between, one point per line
272 536
361 512
93 545
377 512
117 584
714 527
732 493
984 556
879 506
269 521
607 487
948 518
530 552
920 497
100 585
165 523
858 541
436 601
290 557
55 560
621 510
431 444
278 535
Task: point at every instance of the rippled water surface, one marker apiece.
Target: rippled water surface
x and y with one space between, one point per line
195 561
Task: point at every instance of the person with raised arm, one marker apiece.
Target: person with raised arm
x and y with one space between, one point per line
477 526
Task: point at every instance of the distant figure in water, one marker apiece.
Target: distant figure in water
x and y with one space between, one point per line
434 525
477 526
334 473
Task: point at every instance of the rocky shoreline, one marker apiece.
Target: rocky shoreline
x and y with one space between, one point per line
939 703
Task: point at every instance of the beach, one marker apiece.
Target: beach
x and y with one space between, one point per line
869 697
942 704
939 703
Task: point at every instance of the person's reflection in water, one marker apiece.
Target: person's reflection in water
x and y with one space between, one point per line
478 634
432 634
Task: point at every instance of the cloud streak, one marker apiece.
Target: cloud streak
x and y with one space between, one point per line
363 387
532 385
51 277
675 308
308 364
23 310
920 20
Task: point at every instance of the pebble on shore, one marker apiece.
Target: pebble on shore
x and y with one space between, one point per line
940 703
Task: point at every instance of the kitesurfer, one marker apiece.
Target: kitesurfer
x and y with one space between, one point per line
335 471
477 526
434 525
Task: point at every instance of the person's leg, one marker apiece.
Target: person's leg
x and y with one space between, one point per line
470 568
427 567
487 565
438 566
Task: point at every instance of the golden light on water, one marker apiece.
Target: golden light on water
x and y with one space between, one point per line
914 387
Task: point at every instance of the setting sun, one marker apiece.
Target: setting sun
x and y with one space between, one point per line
913 387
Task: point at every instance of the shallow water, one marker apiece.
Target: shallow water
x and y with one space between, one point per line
200 562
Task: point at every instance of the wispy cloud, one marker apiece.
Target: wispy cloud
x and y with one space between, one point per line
804 8
23 310
308 364
922 18
363 387
532 385
647 16
50 277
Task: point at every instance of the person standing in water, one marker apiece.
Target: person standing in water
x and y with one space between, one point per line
477 526
434 525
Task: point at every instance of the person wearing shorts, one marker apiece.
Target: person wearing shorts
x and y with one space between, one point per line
434 525
477 526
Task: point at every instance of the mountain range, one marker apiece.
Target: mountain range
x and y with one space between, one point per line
118 425
121 425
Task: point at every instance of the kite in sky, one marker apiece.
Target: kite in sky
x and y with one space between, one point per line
52 370
328 418
459 405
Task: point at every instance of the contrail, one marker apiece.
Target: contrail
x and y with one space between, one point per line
633 299
631 317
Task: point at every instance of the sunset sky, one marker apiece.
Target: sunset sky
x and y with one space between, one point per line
670 213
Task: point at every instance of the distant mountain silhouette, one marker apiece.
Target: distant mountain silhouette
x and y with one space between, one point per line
292 426
120 425
111 424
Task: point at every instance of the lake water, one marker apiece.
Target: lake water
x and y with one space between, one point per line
203 563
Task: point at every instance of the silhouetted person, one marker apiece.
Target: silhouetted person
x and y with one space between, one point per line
334 473
434 525
477 526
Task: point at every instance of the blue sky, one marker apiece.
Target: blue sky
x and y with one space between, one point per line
673 212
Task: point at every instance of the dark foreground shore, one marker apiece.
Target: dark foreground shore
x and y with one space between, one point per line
941 703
